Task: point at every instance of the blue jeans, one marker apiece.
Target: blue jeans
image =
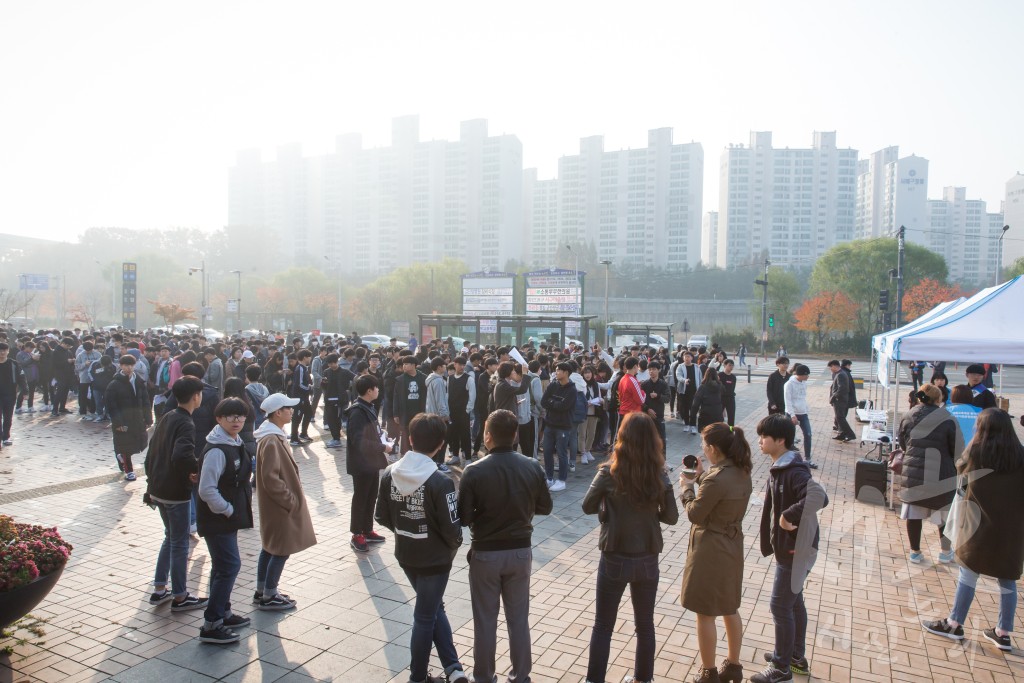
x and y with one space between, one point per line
224 566
805 426
790 617
100 398
430 625
965 587
268 572
556 437
614 573
173 557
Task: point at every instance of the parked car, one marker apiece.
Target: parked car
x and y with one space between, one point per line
697 341
374 341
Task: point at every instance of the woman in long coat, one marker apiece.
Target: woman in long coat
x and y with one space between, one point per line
931 444
713 575
990 535
285 525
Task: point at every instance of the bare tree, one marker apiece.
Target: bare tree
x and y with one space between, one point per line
13 301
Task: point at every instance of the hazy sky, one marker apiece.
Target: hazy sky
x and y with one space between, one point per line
130 113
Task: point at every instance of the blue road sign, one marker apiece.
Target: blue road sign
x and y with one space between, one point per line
33 281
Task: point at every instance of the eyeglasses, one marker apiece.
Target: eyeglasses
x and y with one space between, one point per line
234 418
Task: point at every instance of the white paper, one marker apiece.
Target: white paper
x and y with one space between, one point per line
518 357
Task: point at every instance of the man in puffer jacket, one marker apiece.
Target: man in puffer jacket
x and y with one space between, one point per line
420 505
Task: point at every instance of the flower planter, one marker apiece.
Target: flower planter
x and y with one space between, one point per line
16 603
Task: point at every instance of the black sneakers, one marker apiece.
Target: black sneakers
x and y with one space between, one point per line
374 537
190 602
160 597
1002 642
275 603
798 666
359 544
942 628
236 621
219 635
771 674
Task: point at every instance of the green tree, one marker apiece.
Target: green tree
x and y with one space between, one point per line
404 293
860 269
1017 268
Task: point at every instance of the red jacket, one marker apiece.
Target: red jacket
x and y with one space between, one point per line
631 396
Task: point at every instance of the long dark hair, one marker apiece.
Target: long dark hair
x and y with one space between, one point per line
636 463
995 445
710 377
731 442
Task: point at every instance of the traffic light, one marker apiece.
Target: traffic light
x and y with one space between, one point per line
883 300
771 320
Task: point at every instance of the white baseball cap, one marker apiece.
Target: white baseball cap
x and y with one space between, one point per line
247 354
276 402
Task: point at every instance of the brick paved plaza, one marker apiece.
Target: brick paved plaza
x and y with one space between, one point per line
354 611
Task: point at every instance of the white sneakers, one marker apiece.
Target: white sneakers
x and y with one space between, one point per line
587 458
556 485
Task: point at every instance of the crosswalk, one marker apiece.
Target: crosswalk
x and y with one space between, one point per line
819 368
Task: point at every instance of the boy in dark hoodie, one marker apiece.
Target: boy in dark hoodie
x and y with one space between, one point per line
419 504
410 398
789 530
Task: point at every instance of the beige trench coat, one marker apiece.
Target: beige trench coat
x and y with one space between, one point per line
285 524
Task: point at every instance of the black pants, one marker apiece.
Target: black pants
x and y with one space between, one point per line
317 393
729 406
30 394
46 391
6 416
332 418
60 396
458 434
364 499
85 402
478 435
303 411
672 400
845 431
527 434
685 403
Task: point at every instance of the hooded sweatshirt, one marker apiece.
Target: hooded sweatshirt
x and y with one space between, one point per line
437 395
792 493
421 507
214 463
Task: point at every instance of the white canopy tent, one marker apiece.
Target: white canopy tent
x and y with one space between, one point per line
987 328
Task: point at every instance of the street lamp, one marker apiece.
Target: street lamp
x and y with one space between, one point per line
202 311
999 254
113 295
238 299
607 266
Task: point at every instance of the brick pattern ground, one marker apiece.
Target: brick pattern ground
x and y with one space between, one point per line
864 599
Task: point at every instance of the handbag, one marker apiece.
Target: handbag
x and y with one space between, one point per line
896 461
963 519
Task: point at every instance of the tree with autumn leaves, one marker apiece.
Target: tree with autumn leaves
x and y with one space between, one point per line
926 295
826 314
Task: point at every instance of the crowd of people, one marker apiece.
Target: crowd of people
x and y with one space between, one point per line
219 422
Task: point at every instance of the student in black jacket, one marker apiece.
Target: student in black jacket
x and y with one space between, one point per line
171 473
366 456
12 380
776 386
63 361
559 401
498 498
336 389
483 392
300 388
420 505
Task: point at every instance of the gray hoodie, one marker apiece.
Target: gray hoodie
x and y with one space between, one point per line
412 471
213 468
437 395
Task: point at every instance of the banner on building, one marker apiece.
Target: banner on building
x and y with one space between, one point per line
554 292
129 281
487 293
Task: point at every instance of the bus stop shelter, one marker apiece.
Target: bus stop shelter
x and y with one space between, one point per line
517 326
637 328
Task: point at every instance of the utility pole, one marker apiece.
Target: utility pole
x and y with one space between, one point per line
999 255
901 256
764 304
607 265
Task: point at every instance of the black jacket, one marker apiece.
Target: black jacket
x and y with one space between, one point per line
364 450
410 398
656 404
625 526
202 416
426 524
506 396
790 490
851 400
171 457
483 393
498 497
12 378
559 401
707 404
63 371
931 444
776 384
